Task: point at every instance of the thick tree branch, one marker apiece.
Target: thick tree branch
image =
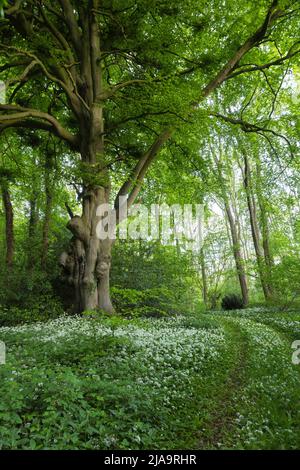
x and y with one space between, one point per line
67 84
263 67
133 185
17 116
95 50
23 77
111 91
71 22
272 14
57 35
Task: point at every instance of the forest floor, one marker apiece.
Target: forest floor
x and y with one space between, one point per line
213 381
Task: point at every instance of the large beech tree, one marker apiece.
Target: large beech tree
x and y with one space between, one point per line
115 80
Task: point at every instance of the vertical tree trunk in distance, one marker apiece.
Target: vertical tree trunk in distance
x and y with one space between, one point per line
238 257
264 223
32 232
48 209
9 226
266 236
204 278
235 238
33 216
255 229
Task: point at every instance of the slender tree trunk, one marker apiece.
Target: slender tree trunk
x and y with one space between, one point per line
33 217
204 278
269 261
255 229
235 237
48 210
264 223
9 226
237 253
46 228
266 236
32 251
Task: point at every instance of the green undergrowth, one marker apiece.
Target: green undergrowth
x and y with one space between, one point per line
219 380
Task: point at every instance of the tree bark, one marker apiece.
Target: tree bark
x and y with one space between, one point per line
264 223
33 217
32 248
88 260
266 236
9 226
255 229
235 236
204 278
48 210
238 257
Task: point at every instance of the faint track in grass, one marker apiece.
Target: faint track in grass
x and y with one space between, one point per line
221 428
221 419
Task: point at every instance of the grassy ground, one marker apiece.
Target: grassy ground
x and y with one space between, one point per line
218 381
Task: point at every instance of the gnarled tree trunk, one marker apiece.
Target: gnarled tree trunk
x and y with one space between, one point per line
88 260
89 257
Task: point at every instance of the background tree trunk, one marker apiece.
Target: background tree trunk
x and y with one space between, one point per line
33 217
204 278
48 210
255 229
264 223
9 226
238 257
235 236
32 249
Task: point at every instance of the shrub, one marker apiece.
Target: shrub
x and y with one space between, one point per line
155 302
285 280
232 302
43 308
